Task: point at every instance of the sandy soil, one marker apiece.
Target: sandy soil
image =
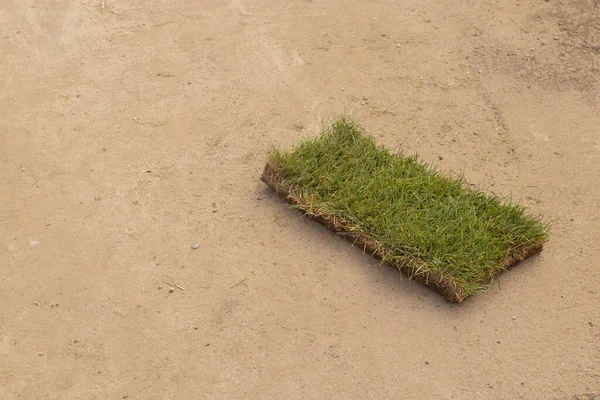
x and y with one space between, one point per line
131 130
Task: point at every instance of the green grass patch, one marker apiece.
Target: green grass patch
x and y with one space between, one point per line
430 225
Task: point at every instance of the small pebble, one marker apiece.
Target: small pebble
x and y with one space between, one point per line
543 42
555 37
196 246
398 45
171 290
36 303
514 317
40 354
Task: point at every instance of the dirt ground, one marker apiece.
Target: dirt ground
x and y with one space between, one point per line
132 130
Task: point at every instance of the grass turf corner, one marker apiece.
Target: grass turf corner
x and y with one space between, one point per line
429 225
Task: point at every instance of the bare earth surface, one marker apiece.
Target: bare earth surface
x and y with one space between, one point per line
130 130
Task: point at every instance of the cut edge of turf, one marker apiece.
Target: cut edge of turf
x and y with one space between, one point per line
444 285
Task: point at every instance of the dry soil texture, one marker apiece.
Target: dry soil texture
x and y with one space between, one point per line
132 130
